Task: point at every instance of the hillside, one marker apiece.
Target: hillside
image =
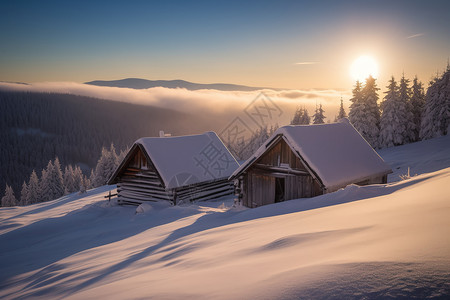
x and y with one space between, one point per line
37 127
380 241
137 83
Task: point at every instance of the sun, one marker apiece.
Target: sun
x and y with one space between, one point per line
364 66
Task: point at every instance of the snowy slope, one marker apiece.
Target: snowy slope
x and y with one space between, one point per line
375 241
421 157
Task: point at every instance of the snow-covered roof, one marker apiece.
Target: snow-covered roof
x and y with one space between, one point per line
191 159
335 152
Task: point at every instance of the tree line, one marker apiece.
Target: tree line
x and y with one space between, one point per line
37 127
407 114
55 182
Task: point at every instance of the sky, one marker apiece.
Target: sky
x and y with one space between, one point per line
279 44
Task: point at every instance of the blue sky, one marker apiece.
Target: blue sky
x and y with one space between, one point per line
245 42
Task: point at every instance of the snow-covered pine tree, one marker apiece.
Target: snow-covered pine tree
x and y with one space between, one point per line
85 184
443 118
256 140
319 117
405 110
297 115
34 189
305 118
92 179
101 168
69 180
58 179
9 199
372 114
121 155
45 194
77 179
106 166
426 125
52 184
391 125
23 194
342 113
46 188
418 104
436 116
358 111
114 157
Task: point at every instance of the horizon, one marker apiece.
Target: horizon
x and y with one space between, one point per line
287 45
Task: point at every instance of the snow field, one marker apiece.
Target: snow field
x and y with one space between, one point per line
388 241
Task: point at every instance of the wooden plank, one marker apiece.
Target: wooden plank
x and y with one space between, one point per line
281 170
208 188
144 198
144 192
205 197
140 181
141 186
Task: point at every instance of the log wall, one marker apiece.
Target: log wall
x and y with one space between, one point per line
139 182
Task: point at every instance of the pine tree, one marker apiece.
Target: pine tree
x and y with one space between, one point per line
77 179
52 185
84 186
301 117
69 180
106 166
357 114
405 109
418 104
9 199
92 179
305 118
436 117
391 125
372 114
58 179
45 183
429 113
297 115
122 155
34 189
342 113
24 194
319 116
255 141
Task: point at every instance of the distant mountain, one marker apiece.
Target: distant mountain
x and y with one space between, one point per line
137 83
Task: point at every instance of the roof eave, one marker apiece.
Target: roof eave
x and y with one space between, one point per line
354 181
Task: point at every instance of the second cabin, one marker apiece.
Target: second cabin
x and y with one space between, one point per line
307 161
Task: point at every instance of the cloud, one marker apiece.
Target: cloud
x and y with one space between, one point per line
415 35
307 63
223 104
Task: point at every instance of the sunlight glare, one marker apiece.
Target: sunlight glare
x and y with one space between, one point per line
362 67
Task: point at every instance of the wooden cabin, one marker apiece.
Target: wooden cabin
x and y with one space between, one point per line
307 161
175 169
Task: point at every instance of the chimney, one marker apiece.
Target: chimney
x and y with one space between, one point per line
162 134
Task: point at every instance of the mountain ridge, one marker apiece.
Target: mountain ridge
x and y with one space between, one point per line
139 83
